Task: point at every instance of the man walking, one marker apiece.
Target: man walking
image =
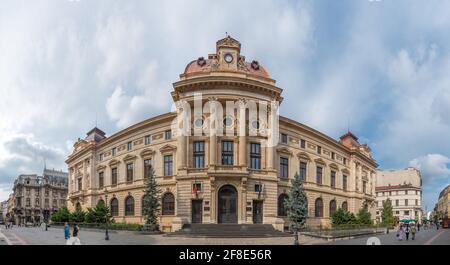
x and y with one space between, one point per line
66 232
407 230
413 232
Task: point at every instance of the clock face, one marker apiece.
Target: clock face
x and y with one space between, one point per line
228 58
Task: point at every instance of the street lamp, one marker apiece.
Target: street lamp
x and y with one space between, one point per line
107 219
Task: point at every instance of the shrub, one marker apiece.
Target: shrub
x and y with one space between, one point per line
363 217
61 216
78 216
342 217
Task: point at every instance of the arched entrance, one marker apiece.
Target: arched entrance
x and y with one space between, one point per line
227 205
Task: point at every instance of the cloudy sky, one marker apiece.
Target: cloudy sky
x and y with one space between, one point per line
379 67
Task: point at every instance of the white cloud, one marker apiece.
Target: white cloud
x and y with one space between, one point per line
432 166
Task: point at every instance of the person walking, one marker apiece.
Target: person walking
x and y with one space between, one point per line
67 232
400 233
418 227
407 230
413 232
76 240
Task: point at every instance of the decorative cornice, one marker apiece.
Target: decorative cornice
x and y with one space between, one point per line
114 162
284 150
128 158
303 155
167 148
147 152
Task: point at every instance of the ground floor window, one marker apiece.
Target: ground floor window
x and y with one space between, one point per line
282 211
168 204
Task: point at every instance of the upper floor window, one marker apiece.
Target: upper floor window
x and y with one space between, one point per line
333 179
302 171
417 202
302 143
364 186
147 167
147 139
284 138
129 146
100 180
284 167
396 203
101 157
199 154
333 155
168 135
130 172
319 175
344 182
227 153
113 151
406 202
319 150
80 186
344 161
168 165
114 176
255 156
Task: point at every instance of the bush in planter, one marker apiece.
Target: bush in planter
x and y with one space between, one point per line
99 214
78 216
343 219
363 217
61 216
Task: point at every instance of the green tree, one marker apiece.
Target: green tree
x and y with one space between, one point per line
78 216
387 216
98 214
60 216
363 217
297 206
343 217
150 202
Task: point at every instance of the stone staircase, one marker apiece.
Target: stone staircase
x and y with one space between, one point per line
229 231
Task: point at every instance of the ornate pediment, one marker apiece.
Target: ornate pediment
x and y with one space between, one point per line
128 158
320 161
167 148
101 167
284 150
303 155
333 165
345 171
147 152
114 162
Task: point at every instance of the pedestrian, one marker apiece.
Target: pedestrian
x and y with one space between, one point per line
400 233
413 231
76 240
67 232
407 230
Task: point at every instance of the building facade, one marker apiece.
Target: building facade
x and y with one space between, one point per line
227 168
3 210
443 204
35 197
404 189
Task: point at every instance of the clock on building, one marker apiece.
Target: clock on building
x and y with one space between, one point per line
228 58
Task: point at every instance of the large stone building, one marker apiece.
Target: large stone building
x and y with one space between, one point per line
37 197
222 167
404 189
443 204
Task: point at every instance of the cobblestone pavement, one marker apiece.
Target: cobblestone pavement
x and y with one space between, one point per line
55 236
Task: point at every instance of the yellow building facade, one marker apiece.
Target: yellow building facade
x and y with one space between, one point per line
222 166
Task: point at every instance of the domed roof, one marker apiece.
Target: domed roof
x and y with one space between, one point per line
216 63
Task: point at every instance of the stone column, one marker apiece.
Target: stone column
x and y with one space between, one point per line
213 134
272 139
242 131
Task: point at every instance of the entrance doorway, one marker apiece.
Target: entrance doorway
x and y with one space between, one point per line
257 212
197 212
227 205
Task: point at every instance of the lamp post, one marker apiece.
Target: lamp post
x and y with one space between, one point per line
107 217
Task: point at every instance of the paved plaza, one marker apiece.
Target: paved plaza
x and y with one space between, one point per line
55 236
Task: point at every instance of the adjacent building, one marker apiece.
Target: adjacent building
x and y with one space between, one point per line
404 189
3 210
233 171
443 204
35 197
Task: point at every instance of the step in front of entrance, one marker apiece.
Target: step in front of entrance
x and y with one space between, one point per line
228 231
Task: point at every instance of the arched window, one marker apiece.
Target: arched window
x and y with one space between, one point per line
332 207
78 207
318 208
114 205
168 204
344 206
101 201
129 206
143 205
282 211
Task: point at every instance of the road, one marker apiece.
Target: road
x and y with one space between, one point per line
423 237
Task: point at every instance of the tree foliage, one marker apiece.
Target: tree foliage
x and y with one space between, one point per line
61 216
363 217
150 202
343 217
98 214
297 205
387 215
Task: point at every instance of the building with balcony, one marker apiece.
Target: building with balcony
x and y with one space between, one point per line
35 197
443 204
404 189
218 166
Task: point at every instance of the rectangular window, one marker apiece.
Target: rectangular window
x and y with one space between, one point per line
101 157
406 212
113 151
147 167
284 138
344 160
197 187
417 192
284 167
199 154
302 171
344 182
333 179
406 202
227 153
168 165
168 135
255 156
364 186
333 155
129 146
114 176
147 139
80 186
397 212
417 202
319 175
258 187
130 172
406 192
302 143
319 150
100 180
390 193
396 202
28 203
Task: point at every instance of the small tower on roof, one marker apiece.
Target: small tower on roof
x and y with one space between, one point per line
95 135
349 140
